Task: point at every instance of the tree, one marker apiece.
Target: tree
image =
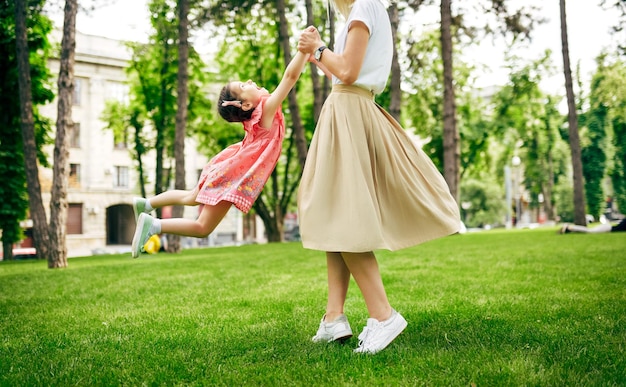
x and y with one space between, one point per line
618 29
292 98
32 134
315 77
607 99
181 112
14 202
527 120
257 54
451 28
58 201
451 138
395 100
594 148
574 140
152 118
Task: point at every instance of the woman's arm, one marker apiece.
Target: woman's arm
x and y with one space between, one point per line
321 66
347 65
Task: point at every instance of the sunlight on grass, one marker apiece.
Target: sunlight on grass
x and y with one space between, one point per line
492 308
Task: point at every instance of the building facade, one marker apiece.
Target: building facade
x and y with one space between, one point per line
103 175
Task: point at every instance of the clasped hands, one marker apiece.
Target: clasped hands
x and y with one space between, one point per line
310 40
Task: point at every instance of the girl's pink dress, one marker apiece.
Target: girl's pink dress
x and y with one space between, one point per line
238 173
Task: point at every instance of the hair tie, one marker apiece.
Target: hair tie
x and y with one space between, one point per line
232 103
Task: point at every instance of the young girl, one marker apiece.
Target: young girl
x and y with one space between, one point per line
365 186
238 173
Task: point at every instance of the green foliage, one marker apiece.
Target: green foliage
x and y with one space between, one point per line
593 156
618 174
152 80
607 130
256 54
481 203
488 309
564 201
13 191
526 121
422 106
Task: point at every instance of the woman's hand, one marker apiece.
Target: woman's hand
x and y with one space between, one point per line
310 40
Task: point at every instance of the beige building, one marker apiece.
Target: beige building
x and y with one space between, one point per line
103 175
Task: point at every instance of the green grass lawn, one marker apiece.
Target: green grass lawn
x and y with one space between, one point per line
499 308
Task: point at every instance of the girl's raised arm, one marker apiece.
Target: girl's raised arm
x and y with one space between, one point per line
291 76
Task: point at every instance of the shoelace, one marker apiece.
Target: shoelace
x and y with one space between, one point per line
363 336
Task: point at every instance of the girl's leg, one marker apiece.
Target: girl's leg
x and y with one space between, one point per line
364 269
174 197
338 281
209 218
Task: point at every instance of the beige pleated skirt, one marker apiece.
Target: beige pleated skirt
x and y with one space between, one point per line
365 185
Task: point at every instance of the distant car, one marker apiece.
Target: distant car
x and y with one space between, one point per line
22 253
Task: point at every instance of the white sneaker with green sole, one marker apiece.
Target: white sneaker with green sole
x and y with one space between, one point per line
142 233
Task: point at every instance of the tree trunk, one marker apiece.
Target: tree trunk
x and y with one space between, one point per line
41 238
181 113
134 122
451 140
161 126
315 78
58 200
273 224
331 44
574 139
548 189
395 102
294 109
37 211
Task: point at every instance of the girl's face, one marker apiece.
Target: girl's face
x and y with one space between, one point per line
248 93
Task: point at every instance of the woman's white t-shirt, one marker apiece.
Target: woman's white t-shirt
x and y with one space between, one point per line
377 63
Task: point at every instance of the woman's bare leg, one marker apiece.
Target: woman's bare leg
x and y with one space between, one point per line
364 269
338 281
209 218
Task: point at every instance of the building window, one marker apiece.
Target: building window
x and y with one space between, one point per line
74 179
120 180
118 91
74 136
75 218
78 88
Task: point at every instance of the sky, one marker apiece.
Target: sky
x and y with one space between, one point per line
588 33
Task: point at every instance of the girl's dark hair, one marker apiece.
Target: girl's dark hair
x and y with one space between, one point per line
231 113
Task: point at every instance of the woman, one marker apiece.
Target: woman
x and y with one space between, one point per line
365 185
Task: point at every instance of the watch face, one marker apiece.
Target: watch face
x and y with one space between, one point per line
318 52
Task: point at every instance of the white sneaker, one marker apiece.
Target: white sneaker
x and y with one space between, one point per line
139 207
337 330
377 335
142 233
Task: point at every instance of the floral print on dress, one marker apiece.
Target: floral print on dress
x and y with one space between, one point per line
238 173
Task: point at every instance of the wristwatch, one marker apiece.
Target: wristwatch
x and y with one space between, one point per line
318 53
